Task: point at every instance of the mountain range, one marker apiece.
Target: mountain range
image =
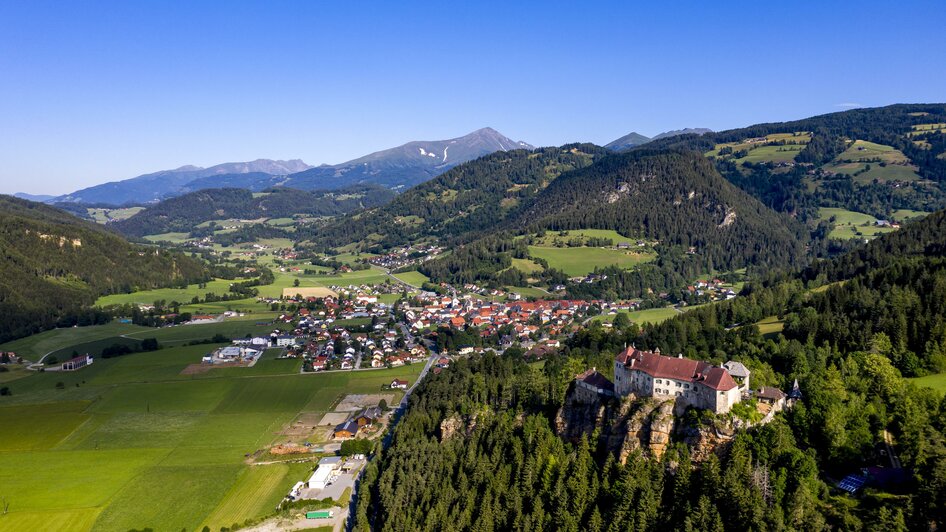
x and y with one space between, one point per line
396 168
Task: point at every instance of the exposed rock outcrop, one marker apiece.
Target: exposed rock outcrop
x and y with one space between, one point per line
631 424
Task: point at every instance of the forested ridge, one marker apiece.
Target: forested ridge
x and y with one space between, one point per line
464 201
854 325
183 213
677 198
56 265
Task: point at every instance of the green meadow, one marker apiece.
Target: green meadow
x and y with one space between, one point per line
651 315
867 161
414 278
579 261
130 442
850 224
936 382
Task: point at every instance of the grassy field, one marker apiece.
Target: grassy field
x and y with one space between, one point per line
413 278
861 154
903 215
652 315
130 443
528 291
936 382
770 326
850 224
106 215
582 234
181 295
37 345
526 266
765 151
583 260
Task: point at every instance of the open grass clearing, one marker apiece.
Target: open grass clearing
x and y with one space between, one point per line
851 224
581 261
551 237
413 278
33 347
528 291
936 382
903 215
652 315
770 326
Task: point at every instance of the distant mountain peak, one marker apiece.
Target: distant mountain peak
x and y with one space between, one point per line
684 131
627 141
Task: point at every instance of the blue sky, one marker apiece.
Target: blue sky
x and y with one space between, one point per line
95 92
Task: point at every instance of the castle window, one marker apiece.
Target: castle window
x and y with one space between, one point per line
658 381
678 385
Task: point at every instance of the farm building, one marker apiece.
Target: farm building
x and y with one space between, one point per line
78 362
346 430
368 416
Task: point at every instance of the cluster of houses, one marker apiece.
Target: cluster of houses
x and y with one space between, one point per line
713 290
526 317
687 382
339 348
406 256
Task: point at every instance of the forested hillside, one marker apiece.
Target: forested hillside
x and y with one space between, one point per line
677 198
702 224
183 213
55 265
471 198
848 343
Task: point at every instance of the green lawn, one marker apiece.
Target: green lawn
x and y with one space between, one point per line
582 234
129 442
903 215
770 326
583 260
414 278
526 266
936 382
527 291
861 154
850 224
181 295
37 345
652 315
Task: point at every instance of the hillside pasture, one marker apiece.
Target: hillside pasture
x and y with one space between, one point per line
35 346
936 382
561 238
851 224
652 315
579 261
413 278
868 161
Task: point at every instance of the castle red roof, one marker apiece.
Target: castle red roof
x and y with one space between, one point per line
681 369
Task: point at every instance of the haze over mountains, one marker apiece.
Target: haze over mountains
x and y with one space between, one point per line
403 166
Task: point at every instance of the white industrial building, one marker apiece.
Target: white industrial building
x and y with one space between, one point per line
323 475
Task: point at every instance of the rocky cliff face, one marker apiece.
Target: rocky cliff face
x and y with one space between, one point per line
632 424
